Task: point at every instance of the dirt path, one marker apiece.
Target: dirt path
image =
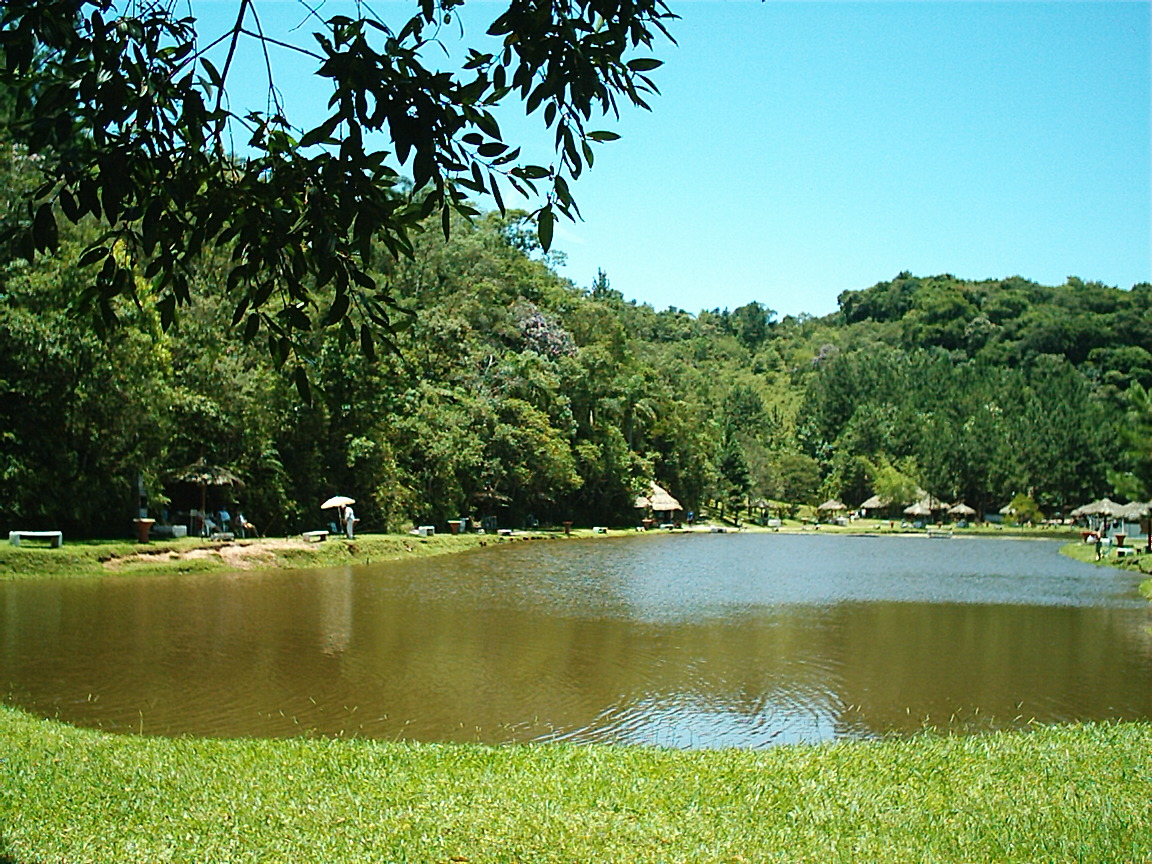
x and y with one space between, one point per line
238 554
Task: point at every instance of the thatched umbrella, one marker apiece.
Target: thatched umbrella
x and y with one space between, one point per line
1134 511
832 505
1099 507
876 503
202 474
920 508
1108 507
962 509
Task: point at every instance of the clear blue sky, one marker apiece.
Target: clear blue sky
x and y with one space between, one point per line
802 149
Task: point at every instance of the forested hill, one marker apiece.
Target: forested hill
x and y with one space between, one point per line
512 393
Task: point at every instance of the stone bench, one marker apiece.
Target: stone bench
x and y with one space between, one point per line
315 536
55 538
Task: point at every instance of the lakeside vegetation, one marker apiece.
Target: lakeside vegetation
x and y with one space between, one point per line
510 392
1071 793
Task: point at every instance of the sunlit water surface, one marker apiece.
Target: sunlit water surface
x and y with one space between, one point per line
677 640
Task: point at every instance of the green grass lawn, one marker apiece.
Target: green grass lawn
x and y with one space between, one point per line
104 557
1081 793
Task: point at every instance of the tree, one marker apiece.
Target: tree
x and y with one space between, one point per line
1136 483
898 483
128 121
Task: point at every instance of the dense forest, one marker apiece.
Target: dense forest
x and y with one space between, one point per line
504 390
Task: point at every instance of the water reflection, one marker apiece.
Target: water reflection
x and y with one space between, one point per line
746 640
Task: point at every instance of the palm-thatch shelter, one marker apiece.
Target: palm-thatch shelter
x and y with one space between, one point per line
961 509
830 508
926 506
203 474
920 509
658 501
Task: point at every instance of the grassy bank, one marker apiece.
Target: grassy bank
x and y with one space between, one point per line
1081 551
1055 794
190 554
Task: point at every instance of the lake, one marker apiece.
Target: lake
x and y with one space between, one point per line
681 640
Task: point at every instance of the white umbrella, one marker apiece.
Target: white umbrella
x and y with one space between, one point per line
338 501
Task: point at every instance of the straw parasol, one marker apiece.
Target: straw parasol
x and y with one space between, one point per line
203 474
1135 511
1108 507
875 503
920 508
832 505
962 509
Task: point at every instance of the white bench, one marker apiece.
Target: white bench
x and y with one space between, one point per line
315 536
56 538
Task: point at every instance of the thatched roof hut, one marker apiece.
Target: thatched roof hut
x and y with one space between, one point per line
658 500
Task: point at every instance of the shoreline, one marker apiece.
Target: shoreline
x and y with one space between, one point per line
88 558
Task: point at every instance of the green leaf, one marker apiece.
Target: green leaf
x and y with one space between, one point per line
93 254
496 193
167 308
241 308
300 378
297 319
339 309
213 74
44 232
644 64
367 343
544 225
321 133
151 224
251 327
70 206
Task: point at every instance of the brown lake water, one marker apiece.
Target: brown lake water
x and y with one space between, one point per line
744 640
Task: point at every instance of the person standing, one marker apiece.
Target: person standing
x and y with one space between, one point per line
349 522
